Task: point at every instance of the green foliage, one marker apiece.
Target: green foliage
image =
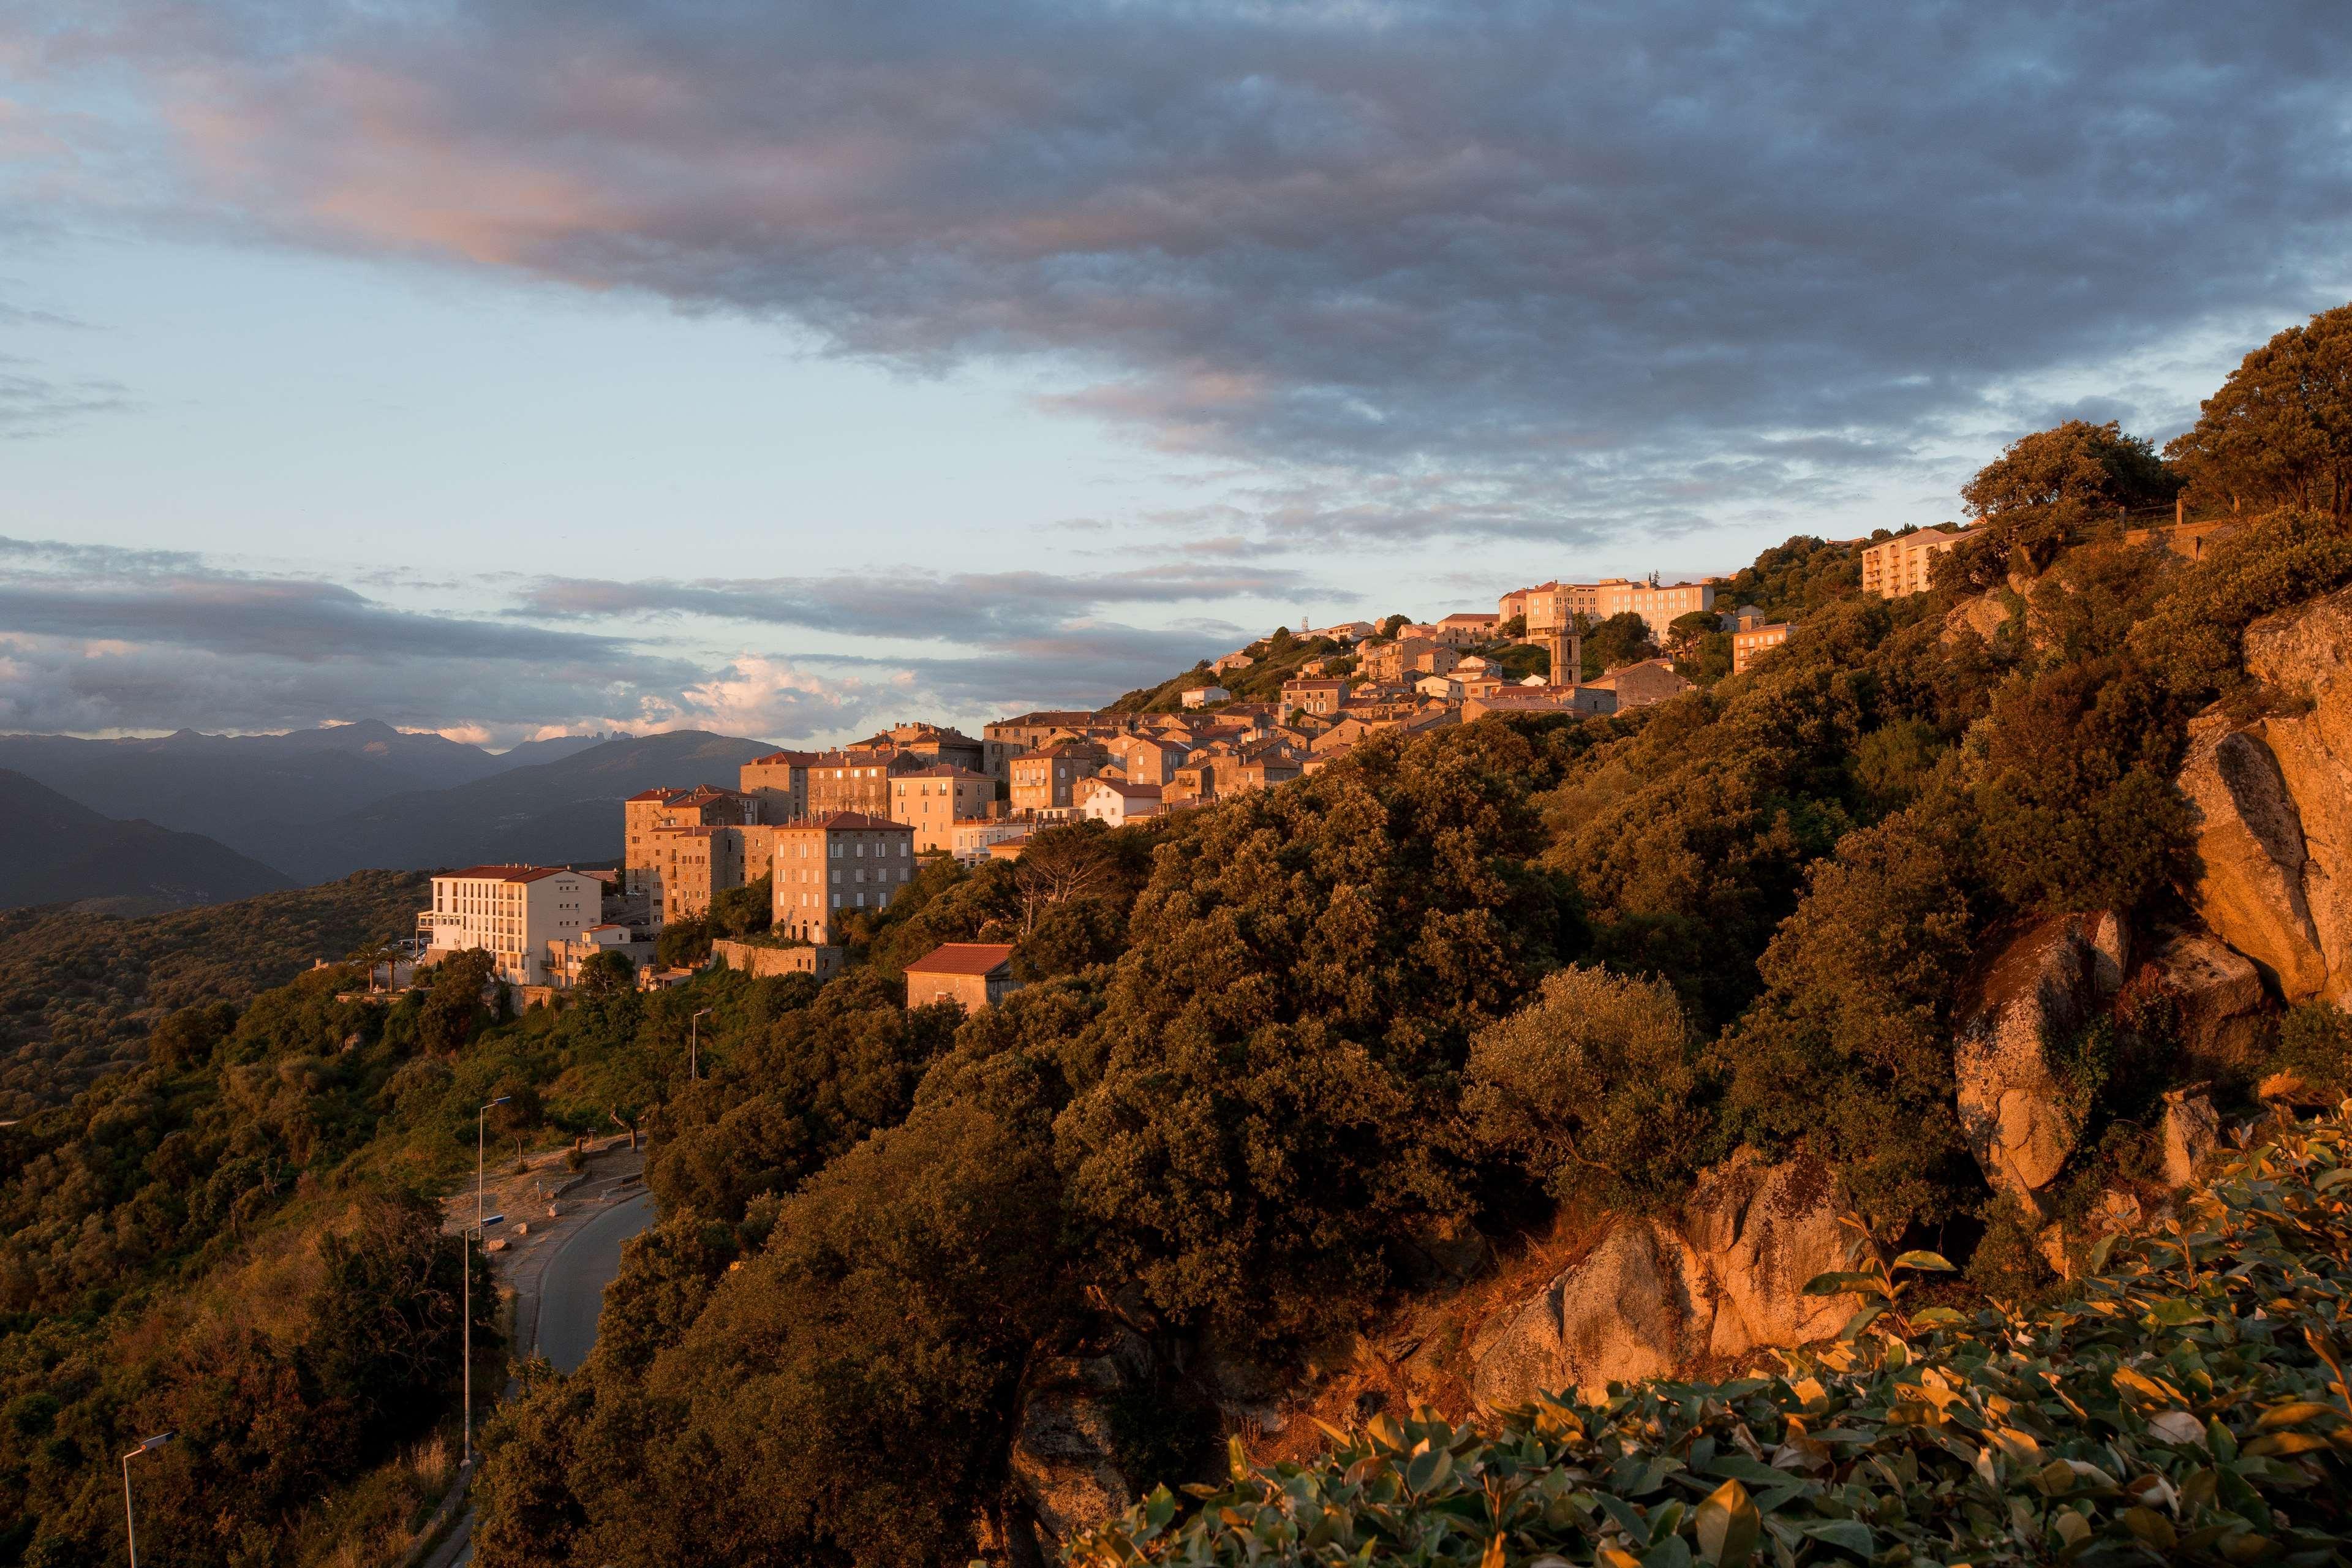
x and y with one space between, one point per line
2315 1046
2049 490
1622 639
80 993
741 911
685 943
844 1396
2179 1405
1595 1090
2195 638
1792 580
2279 431
1276 658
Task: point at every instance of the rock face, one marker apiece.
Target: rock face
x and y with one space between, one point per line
1722 1278
2274 808
2307 652
2221 998
2191 1130
2034 987
1063 1461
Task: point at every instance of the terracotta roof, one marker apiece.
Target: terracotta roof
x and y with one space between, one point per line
964 958
944 771
1133 790
799 759
653 795
508 873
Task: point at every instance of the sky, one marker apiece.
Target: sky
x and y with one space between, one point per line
511 368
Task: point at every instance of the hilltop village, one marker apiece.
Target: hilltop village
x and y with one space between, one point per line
833 834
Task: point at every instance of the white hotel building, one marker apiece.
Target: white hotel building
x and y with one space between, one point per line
512 912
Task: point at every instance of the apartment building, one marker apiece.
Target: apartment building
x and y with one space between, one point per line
1146 759
650 811
1202 696
513 913
830 868
933 800
1326 696
1408 658
1049 779
1897 568
691 865
1751 641
1035 731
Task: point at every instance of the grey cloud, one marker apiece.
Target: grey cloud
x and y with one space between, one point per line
34 404
993 609
1583 269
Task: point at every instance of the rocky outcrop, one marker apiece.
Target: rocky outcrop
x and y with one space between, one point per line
1063 1462
2192 1129
2034 987
2272 806
2220 996
1722 1278
2305 656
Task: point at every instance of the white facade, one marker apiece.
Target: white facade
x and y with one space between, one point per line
1116 803
511 912
1202 696
973 838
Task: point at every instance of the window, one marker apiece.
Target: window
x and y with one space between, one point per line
837 900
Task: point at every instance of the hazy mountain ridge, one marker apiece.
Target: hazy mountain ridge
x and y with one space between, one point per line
56 850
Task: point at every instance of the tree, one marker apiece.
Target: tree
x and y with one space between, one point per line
739 912
1595 1087
2279 431
1622 639
1684 631
452 1011
521 1115
2046 489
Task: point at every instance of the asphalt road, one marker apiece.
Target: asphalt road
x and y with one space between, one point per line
571 1294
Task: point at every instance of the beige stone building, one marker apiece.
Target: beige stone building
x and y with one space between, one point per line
1751 641
975 974
1639 685
512 912
970 842
764 960
1897 568
830 868
1049 779
1202 696
932 800
1326 696
690 864
651 812
1468 629
777 783
1146 759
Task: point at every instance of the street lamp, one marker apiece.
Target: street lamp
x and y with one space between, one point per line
481 1120
693 1043
129 1526
465 1272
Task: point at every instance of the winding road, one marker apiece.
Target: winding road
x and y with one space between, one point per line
572 1293
569 1293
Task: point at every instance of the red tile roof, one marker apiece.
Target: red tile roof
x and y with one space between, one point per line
508 873
844 820
964 958
945 770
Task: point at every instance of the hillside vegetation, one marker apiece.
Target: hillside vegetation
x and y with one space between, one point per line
54 850
79 991
927 1285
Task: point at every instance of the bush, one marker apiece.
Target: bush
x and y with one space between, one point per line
1595 1090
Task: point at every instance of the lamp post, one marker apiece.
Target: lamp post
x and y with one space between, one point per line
481 1120
693 1046
465 1273
129 1525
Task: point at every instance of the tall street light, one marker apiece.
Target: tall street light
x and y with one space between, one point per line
465 1272
693 1045
129 1525
481 1120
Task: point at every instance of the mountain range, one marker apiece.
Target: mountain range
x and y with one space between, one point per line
56 850
314 804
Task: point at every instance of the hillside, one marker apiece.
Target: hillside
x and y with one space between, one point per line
545 814
54 850
78 992
243 789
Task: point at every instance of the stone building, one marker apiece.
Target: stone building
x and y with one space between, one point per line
1326 697
648 812
1117 802
832 867
932 800
977 974
1751 641
1049 779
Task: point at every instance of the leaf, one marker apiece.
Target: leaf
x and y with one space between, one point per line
1841 1284
2284 1444
1493 1556
1615 1557
1674 1551
2178 1427
1861 1320
1237 1457
2150 1527
1846 1535
1937 1317
2298 1412
1925 1262
1727 1526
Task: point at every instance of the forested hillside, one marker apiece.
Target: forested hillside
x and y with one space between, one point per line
1316 1096
54 850
79 991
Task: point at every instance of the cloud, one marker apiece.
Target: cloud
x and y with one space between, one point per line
99 639
1479 269
32 403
